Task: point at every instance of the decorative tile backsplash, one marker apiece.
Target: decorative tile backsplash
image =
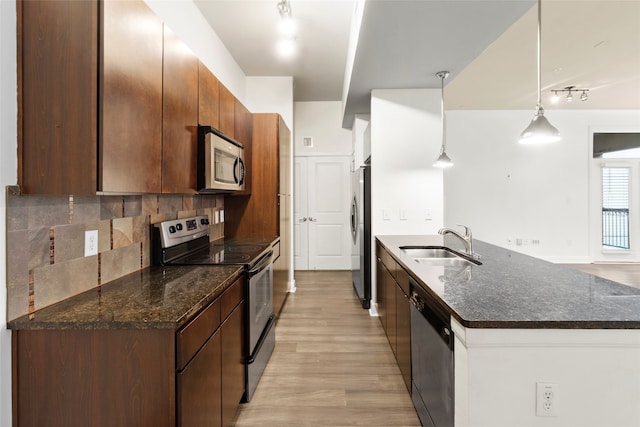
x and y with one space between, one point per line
45 241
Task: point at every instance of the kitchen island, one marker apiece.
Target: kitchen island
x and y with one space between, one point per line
519 321
156 347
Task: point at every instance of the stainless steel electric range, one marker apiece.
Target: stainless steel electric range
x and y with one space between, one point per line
186 242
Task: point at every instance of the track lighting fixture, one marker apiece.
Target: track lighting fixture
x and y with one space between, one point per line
570 91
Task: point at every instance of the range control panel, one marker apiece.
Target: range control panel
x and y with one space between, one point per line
177 231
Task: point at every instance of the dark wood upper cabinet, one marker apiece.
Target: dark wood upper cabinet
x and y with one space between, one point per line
180 116
257 216
227 111
57 84
208 97
131 98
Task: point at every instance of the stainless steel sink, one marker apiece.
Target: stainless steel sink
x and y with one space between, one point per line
427 252
451 262
437 255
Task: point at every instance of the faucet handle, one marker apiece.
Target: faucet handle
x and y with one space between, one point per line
467 230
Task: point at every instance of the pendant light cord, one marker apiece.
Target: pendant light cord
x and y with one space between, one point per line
444 129
539 106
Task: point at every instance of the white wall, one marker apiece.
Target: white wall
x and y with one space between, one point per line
405 141
271 95
506 191
323 122
8 176
360 123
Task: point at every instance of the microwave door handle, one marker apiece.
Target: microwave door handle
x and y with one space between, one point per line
242 171
238 171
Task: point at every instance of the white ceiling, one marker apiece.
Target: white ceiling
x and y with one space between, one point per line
249 30
489 46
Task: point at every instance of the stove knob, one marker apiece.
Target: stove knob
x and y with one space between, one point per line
179 227
172 229
204 221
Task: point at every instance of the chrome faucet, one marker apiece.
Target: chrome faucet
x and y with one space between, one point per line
467 239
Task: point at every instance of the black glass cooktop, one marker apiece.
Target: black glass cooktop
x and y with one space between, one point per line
227 253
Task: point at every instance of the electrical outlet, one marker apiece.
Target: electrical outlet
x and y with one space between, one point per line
403 214
546 400
221 215
90 242
216 217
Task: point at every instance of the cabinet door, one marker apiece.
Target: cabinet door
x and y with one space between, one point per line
257 216
403 336
208 97
243 131
199 387
179 116
380 292
390 294
227 111
233 368
131 98
58 70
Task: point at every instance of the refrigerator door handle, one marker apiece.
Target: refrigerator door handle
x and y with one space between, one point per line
354 217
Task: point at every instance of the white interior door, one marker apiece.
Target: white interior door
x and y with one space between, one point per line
322 233
329 201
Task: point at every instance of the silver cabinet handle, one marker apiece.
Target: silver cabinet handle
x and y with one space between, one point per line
313 219
303 219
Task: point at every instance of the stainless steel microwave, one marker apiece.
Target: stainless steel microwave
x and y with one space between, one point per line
220 162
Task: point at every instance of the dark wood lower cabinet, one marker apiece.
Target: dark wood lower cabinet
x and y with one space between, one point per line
190 377
201 377
394 309
232 364
403 336
94 377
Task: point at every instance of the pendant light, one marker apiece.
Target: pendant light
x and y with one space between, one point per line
443 160
539 131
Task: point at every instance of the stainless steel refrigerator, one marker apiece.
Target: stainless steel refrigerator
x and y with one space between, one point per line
361 233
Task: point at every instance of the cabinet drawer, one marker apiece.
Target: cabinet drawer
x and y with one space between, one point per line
190 338
232 297
387 260
402 277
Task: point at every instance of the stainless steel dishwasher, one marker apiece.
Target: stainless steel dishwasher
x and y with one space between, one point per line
431 360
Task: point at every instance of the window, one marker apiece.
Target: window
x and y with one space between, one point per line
615 207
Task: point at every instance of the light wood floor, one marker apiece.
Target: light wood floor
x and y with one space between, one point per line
629 274
332 365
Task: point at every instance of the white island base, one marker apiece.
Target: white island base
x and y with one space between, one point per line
597 372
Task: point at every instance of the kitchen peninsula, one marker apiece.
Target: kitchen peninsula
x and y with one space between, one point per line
519 321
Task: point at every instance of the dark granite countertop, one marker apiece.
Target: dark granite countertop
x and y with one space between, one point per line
513 290
153 298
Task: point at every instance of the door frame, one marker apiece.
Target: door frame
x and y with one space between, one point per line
596 251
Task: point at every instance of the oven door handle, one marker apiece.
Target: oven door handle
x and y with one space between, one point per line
263 338
263 263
